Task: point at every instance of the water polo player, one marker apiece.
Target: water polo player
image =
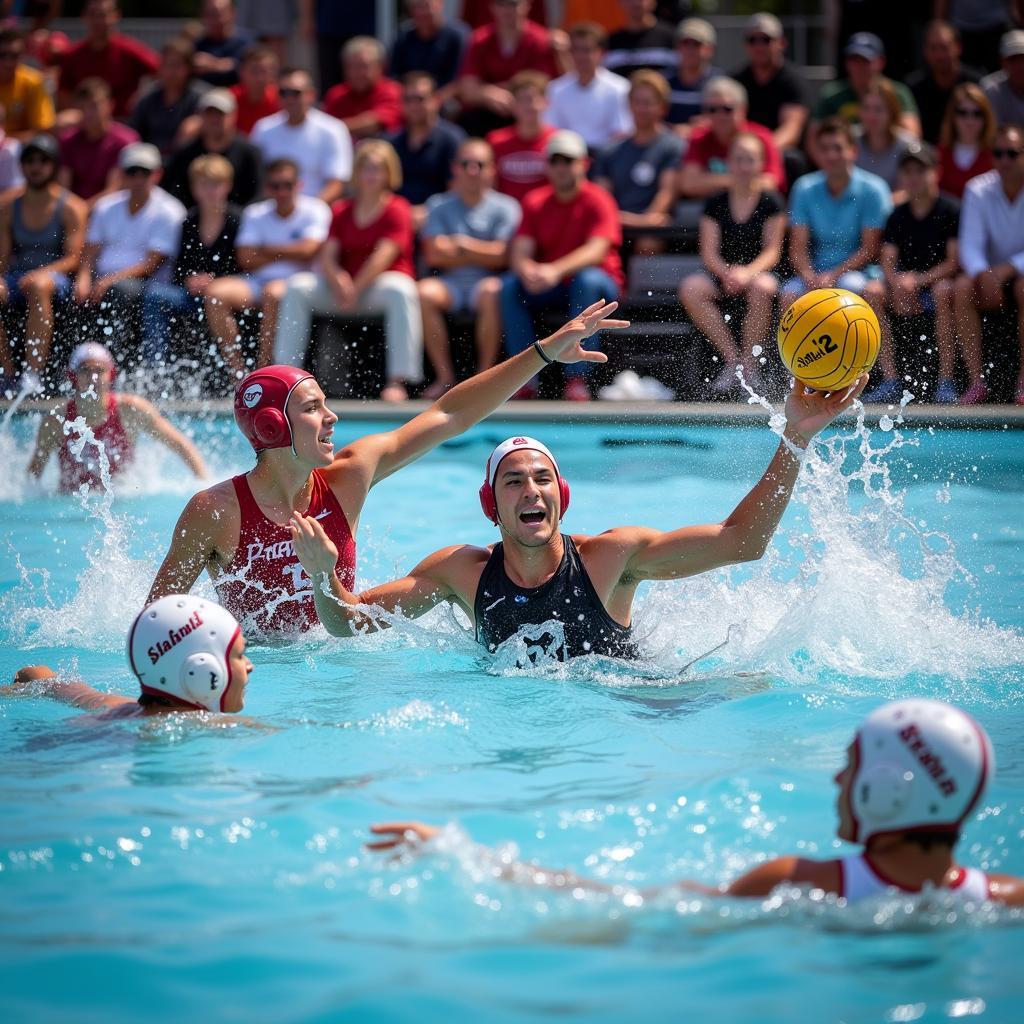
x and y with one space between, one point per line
114 420
915 773
238 530
187 654
536 574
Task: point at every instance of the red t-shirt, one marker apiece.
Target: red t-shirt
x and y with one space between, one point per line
478 12
122 64
953 179
486 59
356 243
384 99
709 152
91 161
519 163
558 228
249 113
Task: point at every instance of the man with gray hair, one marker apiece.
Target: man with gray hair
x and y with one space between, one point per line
724 109
695 44
367 102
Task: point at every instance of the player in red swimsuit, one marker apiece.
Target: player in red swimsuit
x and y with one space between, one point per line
115 419
241 530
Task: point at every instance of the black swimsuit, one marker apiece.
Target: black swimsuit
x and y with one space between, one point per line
502 608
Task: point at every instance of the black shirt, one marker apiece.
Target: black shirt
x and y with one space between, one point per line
932 101
426 171
158 123
741 243
766 99
219 259
440 57
653 47
243 156
922 243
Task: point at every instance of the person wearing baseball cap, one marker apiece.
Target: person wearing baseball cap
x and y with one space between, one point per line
864 59
1005 88
41 260
695 47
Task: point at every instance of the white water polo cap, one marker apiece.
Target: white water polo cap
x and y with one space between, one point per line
921 765
178 647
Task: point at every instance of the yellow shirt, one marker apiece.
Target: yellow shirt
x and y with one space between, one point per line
27 105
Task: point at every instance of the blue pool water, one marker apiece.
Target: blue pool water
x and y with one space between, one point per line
175 872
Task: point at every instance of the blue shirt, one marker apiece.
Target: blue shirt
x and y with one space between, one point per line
426 171
835 222
440 56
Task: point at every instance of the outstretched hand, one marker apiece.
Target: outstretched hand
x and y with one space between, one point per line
809 411
564 346
401 833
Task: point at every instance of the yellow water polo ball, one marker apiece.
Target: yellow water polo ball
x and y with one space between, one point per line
828 338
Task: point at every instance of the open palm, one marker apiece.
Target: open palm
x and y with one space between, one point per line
808 411
565 345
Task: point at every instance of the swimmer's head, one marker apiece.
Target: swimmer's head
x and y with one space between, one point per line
191 652
514 460
284 407
91 366
915 766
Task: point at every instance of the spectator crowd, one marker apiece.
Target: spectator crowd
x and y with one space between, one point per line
206 201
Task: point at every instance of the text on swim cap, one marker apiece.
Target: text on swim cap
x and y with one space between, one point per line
929 761
174 637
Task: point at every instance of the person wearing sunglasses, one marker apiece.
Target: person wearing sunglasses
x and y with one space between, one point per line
465 242
992 256
965 139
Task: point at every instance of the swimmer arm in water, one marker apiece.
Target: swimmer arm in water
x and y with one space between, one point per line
140 415
40 680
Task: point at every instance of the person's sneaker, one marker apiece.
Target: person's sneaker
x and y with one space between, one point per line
526 393
889 392
945 393
576 390
30 383
975 394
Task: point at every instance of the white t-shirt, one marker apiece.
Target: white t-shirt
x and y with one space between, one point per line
598 111
126 239
261 225
321 146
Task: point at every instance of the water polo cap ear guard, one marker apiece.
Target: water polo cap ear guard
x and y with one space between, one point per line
261 401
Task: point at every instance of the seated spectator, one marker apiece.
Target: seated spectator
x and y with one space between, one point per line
217 134
365 267
864 61
319 143
220 48
932 85
270 23
881 142
477 13
965 142
509 44
981 24
640 171
992 255
695 43
776 89
90 152
41 229
836 218
741 234
44 46
466 239
131 237
165 113
590 99
1005 88
120 61
704 168
643 42
278 238
256 92
426 42
206 250
919 260
565 254
27 106
519 149
425 146
366 102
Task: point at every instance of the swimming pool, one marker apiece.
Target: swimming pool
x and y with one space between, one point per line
200 873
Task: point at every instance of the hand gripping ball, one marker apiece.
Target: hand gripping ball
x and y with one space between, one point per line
828 338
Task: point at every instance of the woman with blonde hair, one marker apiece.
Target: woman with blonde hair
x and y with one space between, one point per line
366 266
881 142
965 139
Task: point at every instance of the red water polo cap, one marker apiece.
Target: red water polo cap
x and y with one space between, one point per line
261 399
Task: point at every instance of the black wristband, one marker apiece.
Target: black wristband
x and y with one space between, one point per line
540 352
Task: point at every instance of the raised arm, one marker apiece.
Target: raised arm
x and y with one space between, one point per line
145 417
51 432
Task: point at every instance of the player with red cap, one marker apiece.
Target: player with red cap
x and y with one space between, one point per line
97 430
242 530
568 595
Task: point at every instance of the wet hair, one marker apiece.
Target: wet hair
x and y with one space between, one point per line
835 126
968 92
149 700
657 83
